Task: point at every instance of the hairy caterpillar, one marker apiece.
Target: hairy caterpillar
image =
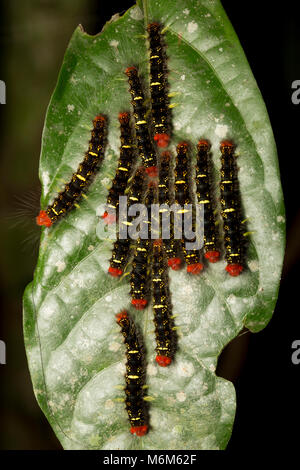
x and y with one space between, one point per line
164 325
183 196
165 197
134 376
81 179
125 166
204 197
230 210
144 143
121 249
139 278
159 87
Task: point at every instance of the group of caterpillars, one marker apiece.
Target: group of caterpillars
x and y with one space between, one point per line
150 183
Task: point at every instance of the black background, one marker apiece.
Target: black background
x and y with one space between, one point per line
266 380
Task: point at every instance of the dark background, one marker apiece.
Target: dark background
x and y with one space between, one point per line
33 37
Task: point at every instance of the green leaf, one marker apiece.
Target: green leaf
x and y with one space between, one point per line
75 350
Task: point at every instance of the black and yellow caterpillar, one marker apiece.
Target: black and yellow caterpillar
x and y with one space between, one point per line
183 196
204 196
164 324
159 86
81 179
144 143
139 278
122 246
231 211
134 376
124 169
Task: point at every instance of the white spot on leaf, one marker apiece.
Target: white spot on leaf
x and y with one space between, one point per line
192 27
61 265
114 43
221 130
185 369
136 14
253 265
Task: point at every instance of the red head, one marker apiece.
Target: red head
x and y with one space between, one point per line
153 26
234 269
174 263
203 143
212 256
182 146
139 430
98 119
124 117
130 70
152 171
115 272
120 316
157 242
43 219
226 144
139 304
162 140
163 361
194 268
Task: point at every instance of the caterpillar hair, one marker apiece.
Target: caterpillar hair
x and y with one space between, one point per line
124 170
144 143
183 195
81 179
159 86
204 196
134 376
122 246
165 197
230 210
139 278
164 325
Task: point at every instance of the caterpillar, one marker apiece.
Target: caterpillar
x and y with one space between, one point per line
230 210
81 179
121 248
163 320
141 260
124 169
134 376
204 197
183 196
159 87
164 197
144 143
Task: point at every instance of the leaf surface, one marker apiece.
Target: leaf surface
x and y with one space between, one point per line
75 350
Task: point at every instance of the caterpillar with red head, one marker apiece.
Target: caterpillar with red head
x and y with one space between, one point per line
141 261
204 197
164 325
144 143
183 195
159 87
121 248
124 170
81 179
165 197
230 210
134 376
